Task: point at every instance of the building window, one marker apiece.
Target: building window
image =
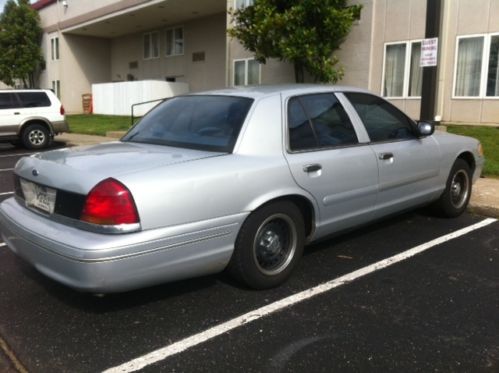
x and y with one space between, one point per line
477 68
493 73
175 41
56 88
151 45
54 48
239 4
246 72
402 75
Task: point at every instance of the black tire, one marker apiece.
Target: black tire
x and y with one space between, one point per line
268 246
457 193
35 136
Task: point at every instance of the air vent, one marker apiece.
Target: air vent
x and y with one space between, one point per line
198 56
133 65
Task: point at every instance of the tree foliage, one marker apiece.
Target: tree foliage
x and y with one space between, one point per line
20 39
303 32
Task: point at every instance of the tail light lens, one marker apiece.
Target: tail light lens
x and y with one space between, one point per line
110 203
62 111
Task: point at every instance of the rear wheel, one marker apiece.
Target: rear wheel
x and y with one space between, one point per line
457 193
35 136
268 246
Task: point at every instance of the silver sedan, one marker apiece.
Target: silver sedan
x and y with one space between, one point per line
236 180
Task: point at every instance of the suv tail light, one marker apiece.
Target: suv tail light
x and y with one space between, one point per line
62 111
110 203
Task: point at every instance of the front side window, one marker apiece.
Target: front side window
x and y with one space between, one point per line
196 122
382 120
246 72
175 41
151 45
318 121
403 76
8 101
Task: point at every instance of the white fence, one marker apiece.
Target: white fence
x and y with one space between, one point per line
117 98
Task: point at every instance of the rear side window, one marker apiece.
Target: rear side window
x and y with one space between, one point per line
34 99
8 100
383 121
318 121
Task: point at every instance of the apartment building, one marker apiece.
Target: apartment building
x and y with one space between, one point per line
99 41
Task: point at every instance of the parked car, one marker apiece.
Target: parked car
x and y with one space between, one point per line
31 116
238 179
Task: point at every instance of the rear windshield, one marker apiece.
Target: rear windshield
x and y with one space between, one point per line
195 122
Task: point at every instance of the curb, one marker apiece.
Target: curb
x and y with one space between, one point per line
488 211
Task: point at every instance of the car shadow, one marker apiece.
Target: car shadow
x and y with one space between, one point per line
104 303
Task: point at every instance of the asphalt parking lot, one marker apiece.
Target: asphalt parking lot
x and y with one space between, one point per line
435 311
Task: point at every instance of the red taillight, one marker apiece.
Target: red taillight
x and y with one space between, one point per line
110 203
62 111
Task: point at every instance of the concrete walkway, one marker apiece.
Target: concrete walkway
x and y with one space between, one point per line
484 200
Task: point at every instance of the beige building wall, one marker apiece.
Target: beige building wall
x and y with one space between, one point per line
206 35
85 60
355 52
395 21
466 17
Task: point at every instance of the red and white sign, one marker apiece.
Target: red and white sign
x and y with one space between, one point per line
429 52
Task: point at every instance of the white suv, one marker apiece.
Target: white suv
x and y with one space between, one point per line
31 116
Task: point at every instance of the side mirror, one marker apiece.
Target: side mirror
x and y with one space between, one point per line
425 129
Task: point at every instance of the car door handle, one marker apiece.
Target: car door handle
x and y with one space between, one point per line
312 167
385 156
17 113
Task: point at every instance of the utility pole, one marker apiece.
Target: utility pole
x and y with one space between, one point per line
430 76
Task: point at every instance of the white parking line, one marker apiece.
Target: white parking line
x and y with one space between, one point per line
6 193
2 244
14 155
6 169
189 342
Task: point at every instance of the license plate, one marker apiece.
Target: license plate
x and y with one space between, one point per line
39 196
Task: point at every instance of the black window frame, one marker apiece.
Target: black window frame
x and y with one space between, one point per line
319 147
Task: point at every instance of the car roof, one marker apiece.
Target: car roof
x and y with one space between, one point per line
288 90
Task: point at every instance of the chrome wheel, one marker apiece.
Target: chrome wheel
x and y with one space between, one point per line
459 189
275 244
36 137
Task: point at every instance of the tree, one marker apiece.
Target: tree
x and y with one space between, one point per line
303 32
20 39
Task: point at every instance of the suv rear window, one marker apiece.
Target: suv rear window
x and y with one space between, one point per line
33 99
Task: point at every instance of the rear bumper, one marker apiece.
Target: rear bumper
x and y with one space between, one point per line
114 263
60 126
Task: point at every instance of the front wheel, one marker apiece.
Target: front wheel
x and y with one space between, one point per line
457 193
268 246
